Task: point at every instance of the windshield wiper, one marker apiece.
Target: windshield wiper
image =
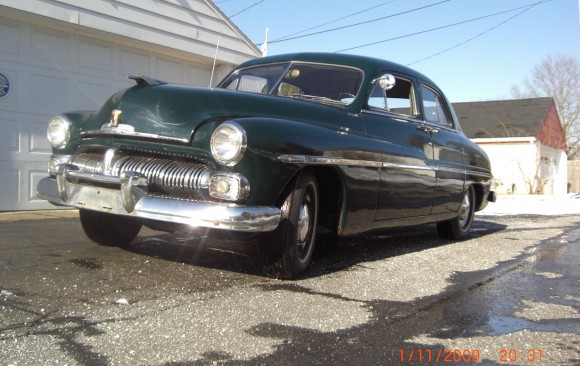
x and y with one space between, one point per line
316 98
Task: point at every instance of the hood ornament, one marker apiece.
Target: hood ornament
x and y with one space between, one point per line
115 125
114 122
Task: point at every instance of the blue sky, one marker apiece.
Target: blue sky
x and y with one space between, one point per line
483 68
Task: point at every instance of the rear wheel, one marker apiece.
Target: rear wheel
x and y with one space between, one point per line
288 249
458 228
109 230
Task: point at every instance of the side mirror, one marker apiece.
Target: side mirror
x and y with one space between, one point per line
386 81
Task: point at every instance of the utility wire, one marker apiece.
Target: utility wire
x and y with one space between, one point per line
334 20
476 36
442 27
248 8
360 23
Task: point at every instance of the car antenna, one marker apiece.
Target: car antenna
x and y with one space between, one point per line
217 46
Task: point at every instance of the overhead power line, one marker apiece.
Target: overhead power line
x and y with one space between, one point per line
248 8
476 36
334 20
360 23
442 27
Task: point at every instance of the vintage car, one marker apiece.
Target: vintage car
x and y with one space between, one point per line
285 148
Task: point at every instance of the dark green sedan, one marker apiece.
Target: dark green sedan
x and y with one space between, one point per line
285 148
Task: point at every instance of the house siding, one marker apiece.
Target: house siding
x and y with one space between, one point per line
171 26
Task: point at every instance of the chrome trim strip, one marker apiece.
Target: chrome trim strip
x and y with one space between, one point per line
324 160
465 171
397 116
193 213
405 166
451 170
124 133
479 174
316 160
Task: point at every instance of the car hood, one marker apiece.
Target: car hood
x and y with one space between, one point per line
175 112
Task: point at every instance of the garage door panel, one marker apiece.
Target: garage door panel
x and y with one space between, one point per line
48 94
19 186
93 56
198 75
133 63
10 42
38 142
90 96
50 48
168 70
35 174
10 136
10 183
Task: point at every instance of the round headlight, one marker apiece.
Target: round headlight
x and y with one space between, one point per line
58 132
228 143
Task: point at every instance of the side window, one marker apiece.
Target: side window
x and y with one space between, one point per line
288 90
433 107
400 99
249 83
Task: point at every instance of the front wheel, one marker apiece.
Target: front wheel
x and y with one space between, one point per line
459 227
288 249
109 230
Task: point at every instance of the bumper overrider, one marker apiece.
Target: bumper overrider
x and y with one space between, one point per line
127 194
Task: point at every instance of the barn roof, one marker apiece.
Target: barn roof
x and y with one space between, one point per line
503 118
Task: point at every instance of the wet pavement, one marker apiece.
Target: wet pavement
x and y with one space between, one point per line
509 295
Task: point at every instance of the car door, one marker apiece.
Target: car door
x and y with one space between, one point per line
407 178
447 148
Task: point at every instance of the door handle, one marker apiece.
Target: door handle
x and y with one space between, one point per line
428 129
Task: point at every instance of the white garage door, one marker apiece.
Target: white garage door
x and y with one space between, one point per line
51 71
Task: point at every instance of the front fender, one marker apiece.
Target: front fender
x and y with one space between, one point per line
269 139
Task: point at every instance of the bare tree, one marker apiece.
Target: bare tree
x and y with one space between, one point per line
557 77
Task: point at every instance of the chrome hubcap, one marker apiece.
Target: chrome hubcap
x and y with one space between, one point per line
303 225
464 210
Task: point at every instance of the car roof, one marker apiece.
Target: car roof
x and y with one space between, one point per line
369 65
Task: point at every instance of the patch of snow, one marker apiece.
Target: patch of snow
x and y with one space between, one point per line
533 205
122 302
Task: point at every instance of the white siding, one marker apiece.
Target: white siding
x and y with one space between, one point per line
526 167
171 26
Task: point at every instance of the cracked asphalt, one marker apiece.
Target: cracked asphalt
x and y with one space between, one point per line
508 295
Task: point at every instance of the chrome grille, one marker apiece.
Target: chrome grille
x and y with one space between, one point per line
88 162
167 176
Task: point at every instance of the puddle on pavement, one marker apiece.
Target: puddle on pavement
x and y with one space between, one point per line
500 325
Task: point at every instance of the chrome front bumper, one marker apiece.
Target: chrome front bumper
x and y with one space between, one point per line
131 200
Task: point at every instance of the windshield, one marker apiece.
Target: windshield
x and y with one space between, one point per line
329 84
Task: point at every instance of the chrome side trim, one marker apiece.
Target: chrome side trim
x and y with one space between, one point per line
193 213
324 160
398 117
451 170
405 166
479 174
127 133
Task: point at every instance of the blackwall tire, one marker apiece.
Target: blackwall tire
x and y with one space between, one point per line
288 249
460 227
